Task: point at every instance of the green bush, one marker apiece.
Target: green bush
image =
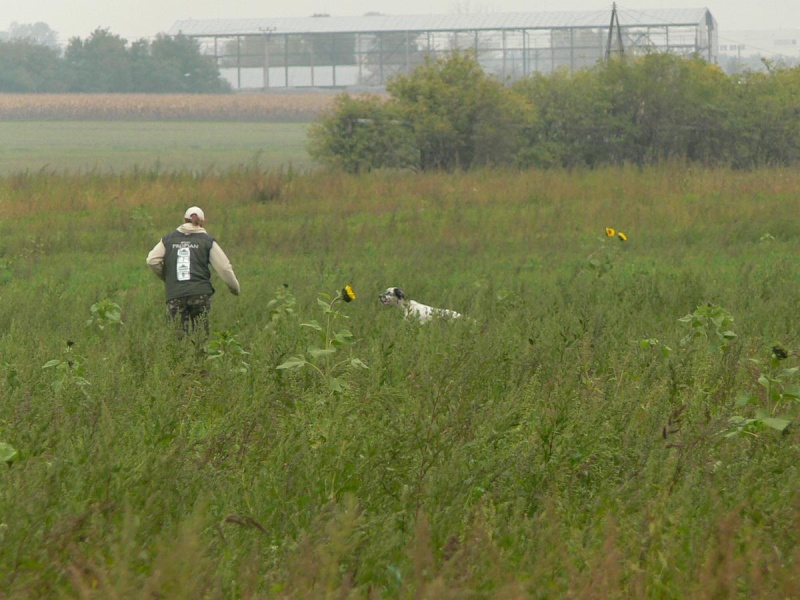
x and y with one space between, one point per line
638 110
461 117
359 134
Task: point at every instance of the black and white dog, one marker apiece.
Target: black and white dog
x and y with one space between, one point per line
394 296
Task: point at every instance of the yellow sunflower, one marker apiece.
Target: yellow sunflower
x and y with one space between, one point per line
348 295
622 236
610 232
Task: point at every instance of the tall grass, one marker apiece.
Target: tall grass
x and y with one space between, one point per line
560 442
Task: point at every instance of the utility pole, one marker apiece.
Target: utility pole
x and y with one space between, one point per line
614 24
265 31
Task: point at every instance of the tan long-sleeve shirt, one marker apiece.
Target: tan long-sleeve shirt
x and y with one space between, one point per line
217 257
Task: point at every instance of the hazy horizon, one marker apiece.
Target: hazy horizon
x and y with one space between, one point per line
147 18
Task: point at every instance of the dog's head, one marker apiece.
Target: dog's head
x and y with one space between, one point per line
392 296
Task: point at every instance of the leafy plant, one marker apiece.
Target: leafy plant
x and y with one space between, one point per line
319 356
224 348
69 372
5 271
709 322
281 308
105 314
739 425
779 387
140 219
655 344
7 453
601 261
12 375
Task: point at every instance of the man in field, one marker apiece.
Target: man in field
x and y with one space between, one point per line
181 259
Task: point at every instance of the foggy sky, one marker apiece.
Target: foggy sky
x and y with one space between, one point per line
134 19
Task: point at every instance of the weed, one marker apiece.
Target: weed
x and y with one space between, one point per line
319 357
281 308
711 323
779 388
69 372
7 453
225 349
105 314
12 375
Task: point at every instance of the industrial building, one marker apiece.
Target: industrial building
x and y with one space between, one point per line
365 52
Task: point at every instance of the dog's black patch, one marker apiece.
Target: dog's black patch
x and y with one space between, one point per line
399 293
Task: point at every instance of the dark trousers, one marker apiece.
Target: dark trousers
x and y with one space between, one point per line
191 310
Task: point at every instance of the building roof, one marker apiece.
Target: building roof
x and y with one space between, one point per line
395 23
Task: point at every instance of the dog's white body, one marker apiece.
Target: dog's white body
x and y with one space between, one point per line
394 296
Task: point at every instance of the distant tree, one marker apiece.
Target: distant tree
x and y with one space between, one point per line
389 54
461 117
251 51
447 114
36 33
105 63
363 133
333 49
570 110
639 110
29 67
298 50
177 65
145 76
102 63
662 106
763 125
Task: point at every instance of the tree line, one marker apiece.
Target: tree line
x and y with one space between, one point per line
448 113
106 63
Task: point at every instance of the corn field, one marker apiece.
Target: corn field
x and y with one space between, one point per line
297 107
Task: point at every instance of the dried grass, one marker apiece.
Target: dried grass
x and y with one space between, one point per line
293 107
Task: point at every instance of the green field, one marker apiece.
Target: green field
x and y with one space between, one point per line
614 418
115 146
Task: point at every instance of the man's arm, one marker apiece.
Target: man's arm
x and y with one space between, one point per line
155 260
221 264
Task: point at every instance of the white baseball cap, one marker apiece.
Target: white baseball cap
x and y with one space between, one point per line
194 210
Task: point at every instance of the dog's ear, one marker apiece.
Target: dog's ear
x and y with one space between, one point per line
399 293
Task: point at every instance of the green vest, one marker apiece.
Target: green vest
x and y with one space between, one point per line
186 264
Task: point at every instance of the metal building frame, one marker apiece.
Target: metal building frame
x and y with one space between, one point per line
365 52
